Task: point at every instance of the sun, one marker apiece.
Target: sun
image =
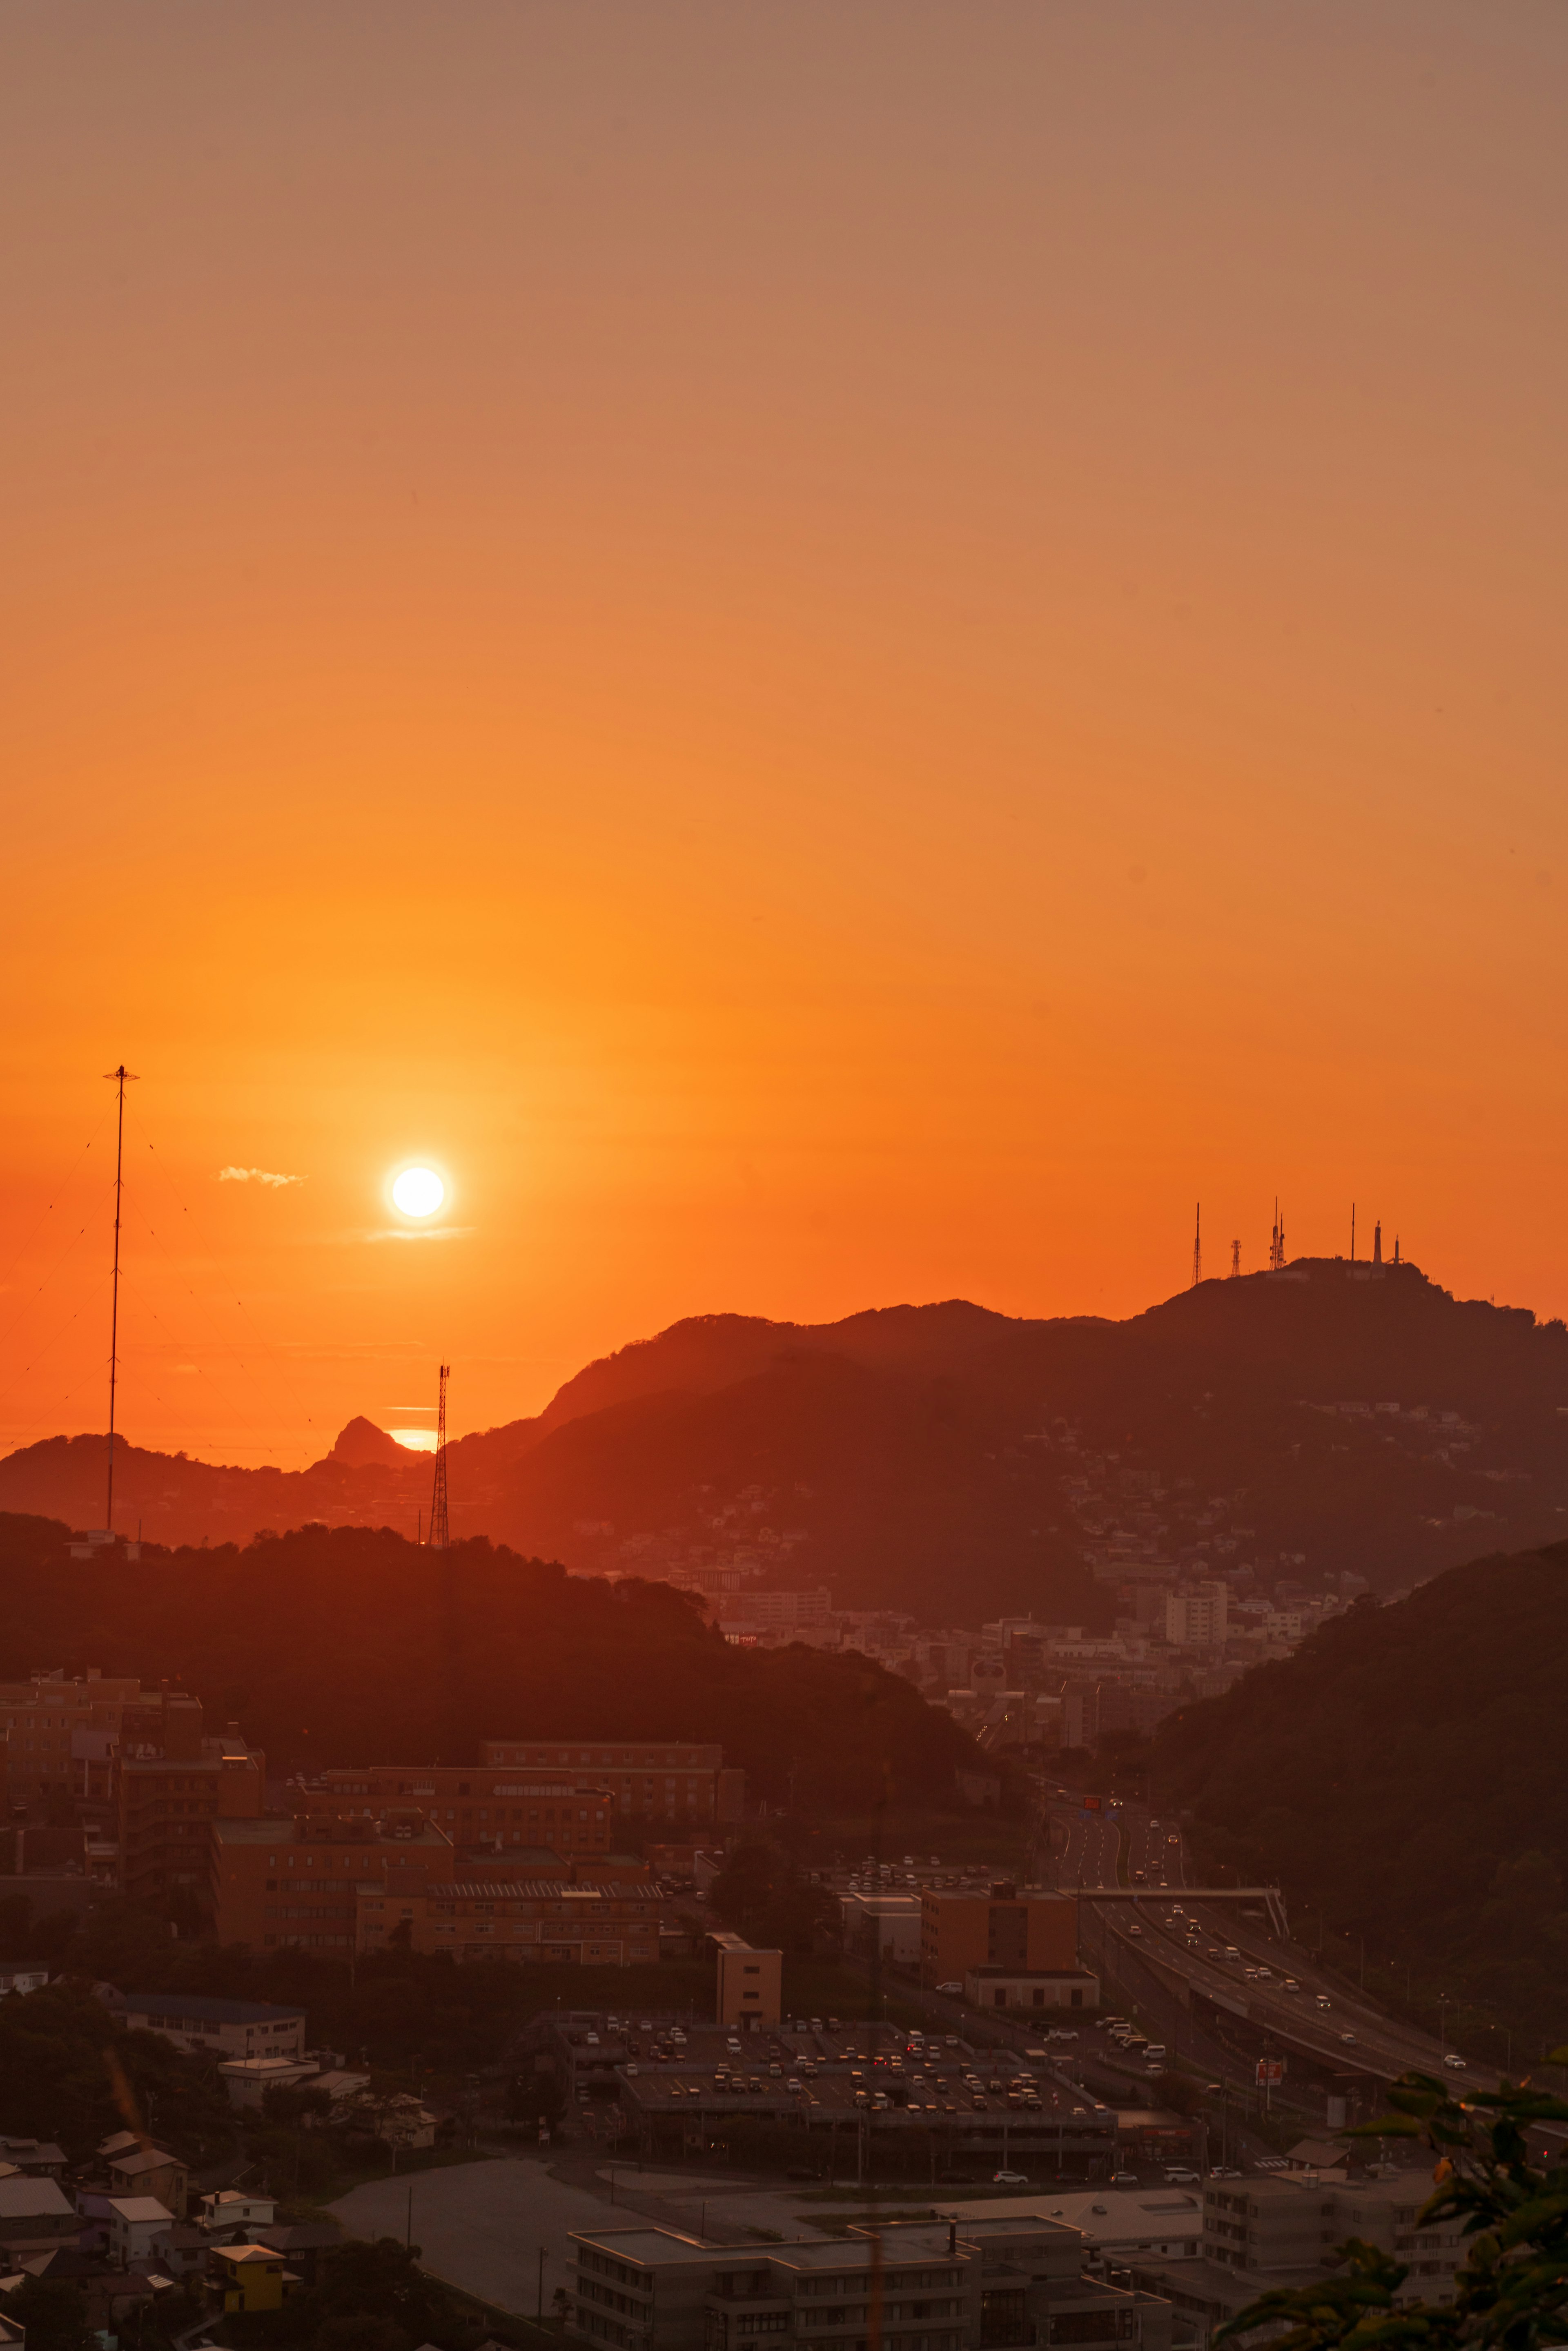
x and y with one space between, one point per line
418 1191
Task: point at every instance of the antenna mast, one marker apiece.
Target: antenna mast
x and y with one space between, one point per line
1235 1260
1277 1243
1198 1247
1353 1232
438 1531
120 1078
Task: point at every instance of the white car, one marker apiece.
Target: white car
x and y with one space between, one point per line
1008 2180
1457 2063
953 1990
1347 2037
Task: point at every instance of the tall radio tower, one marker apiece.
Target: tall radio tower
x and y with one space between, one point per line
120 1078
1198 1247
438 1529
1277 1243
1235 1260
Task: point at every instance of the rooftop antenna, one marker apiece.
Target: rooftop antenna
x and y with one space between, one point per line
1377 1242
1235 1260
120 1078
1198 1247
1395 1248
438 1531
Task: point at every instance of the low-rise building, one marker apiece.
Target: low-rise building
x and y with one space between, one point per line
134 2222
883 1924
294 1880
1299 2221
23 1976
149 2171
39 2158
1033 1988
248 2079
750 1985
247 2278
36 2217
589 1926
233 2028
228 2209
998 1926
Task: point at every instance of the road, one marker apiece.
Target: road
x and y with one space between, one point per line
1189 1944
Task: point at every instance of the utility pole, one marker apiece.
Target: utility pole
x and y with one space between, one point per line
120 1078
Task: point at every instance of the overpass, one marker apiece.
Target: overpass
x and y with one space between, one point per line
1270 1896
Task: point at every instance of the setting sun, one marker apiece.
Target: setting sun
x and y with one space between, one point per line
418 1191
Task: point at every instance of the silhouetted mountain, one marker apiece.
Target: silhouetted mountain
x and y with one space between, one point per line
362 1446
346 1645
1406 1772
958 1463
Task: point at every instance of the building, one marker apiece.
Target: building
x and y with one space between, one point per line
234 2028
40 1720
143 2171
884 1925
650 1779
248 2079
1116 2224
36 2217
173 1784
39 2158
134 2222
750 1989
1196 1617
1000 1926
245 2278
1033 1988
295 1879
228 2209
910 2286
540 1919
571 1814
1297 2222
23 1976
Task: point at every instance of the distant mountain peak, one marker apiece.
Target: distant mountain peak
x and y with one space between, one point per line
362 1446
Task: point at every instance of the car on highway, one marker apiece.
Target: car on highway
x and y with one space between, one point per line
1323 2001
1457 2063
953 1990
1009 2179
1124 2179
1347 2037
1134 1931
1179 2176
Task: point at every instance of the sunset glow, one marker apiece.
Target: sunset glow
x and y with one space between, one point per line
418 1191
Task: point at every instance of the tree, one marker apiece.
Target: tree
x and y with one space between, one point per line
1512 2292
381 2281
54 2314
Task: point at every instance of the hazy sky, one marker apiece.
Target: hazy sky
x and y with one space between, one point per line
838 653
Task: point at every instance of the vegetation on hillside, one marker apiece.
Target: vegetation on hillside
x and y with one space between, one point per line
1406 1773
350 1645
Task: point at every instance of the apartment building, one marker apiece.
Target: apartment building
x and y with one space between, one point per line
566 1813
1023 1929
1198 1617
43 1722
910 2286
174 1784
540 1919
275 1881
230 2028
750 1983
652 1779
1297 2222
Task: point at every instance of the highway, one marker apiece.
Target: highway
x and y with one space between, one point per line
1188 1944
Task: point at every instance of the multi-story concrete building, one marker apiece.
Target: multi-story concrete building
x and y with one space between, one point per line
671 1778
750 1988
1019 1929
1296 2224
1196 1617
43 1725
910 2287
564 1813
548 1920
295 1880
174 1783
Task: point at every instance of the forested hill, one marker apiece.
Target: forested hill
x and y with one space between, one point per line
1406 1770
348 1646
961 1464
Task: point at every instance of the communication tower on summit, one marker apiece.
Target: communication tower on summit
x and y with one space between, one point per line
1277 1243
120 1079
1198 1247
1235 1260
438 1528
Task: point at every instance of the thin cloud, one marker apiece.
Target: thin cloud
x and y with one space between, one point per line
255 1176
440 1233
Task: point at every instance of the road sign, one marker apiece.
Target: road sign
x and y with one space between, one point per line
1094 1804
1270 2072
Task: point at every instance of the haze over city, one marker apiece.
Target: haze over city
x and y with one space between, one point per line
783 1379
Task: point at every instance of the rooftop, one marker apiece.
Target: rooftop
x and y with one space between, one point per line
201 2009
657 2248
140 2207
25 2199
289 1832
546 1889
147 2158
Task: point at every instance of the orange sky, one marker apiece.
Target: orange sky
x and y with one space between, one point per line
839 654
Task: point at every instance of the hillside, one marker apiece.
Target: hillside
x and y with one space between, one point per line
346 1645
958 1463
1406 1772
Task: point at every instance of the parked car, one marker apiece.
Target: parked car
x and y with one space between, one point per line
953 1990
1009 2179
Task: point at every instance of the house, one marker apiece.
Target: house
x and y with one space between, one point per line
249 2277
118 2143
302 2245
182 2250
248 2079
35 2218
134 2221
39 2158
23 1975
232 2208
149 2171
